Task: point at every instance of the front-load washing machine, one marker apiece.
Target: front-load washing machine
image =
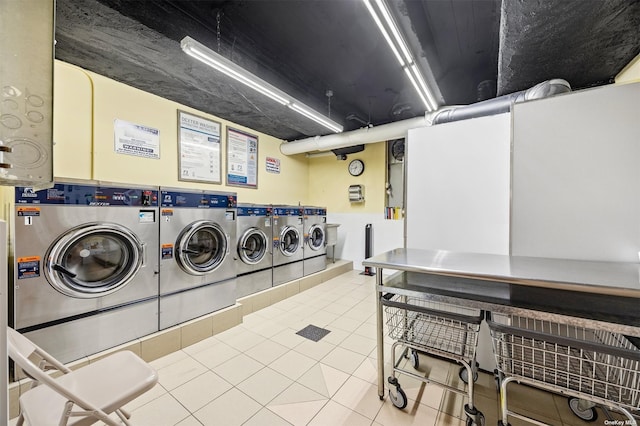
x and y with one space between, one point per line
255 257
288 228
85 266
315 246
197 253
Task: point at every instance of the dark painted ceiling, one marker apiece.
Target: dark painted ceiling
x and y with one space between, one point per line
475 49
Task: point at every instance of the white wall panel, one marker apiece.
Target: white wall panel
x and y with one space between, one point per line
576 175
458 179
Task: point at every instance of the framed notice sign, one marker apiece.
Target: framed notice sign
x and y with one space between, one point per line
199 155
242 159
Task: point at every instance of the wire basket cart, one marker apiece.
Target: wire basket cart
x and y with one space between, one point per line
589 365
444 330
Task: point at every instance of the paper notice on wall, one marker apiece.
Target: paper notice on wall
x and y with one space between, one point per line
242 159
135 139
199 142
273 165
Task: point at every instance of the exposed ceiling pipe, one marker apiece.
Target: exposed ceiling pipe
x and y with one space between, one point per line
398 129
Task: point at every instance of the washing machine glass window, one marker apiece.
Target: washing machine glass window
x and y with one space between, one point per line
289 240
201 247
94 260
316 237
253 246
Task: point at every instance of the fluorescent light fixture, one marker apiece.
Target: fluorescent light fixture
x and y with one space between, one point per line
387 26
225 66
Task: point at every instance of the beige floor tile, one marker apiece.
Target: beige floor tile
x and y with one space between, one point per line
531 399
292 364
452 404
428 394
297 393
299 413
242 339
176 374
315 350
267 351
201 345
266 417
322 318
359 344
156 392
343 359
360 396
447 420
346 324
189 421
161 411
265 385
336 336
367 370
359 314
335 414
415 414
237 369
288 338
367 330
323 379
337 308
198 392
231 409
215 354
167 360
267 328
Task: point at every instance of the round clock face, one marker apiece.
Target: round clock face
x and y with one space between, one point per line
356 167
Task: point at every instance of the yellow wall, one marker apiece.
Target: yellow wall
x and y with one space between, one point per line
329 181
87 105
630 73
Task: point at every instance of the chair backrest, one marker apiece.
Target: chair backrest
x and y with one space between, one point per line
22 350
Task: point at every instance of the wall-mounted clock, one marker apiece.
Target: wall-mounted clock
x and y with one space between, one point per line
356 167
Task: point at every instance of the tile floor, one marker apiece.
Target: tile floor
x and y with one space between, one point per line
261 373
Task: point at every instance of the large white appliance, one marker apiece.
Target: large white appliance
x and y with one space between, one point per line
288 229
315 243
197 249
255 254
85 266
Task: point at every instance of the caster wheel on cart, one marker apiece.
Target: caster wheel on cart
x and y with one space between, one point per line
500 423
464 375
399 399
415 359
474 417
470 421
588 415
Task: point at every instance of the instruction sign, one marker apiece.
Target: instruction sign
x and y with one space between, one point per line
242 159
198 149
135 139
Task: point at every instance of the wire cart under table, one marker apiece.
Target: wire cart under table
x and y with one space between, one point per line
566 356
440 329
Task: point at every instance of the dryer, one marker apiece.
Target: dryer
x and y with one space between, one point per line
254 249
197 250
85 266
315 244
288 229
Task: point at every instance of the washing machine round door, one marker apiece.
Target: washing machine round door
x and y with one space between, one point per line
289 240
316 238
252 246
201 247
94 260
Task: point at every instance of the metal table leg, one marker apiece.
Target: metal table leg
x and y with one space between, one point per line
380 334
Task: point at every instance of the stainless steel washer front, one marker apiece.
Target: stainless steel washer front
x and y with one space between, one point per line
255 253
288 241
201 247
315 247
84 255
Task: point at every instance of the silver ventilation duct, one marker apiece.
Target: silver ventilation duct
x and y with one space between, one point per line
398 129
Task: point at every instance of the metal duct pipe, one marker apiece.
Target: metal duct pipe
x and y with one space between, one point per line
398 129
502 103
395 130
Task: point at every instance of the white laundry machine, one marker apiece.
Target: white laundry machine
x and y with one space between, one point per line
197 250
288 228
255 254
85 266
315 243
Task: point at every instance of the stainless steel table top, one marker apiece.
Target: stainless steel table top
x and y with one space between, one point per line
607 278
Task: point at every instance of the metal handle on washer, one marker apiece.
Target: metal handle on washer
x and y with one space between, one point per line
144 254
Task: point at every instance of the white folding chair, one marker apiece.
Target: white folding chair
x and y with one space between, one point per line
79 397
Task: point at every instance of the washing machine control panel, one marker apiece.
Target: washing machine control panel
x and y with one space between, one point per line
87 195
197 200
254 211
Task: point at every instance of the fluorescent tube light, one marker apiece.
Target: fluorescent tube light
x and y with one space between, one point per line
387 26
199 51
